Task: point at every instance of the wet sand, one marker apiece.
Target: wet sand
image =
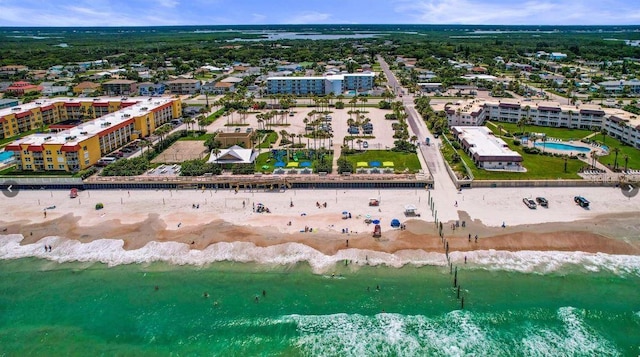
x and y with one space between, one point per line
575 236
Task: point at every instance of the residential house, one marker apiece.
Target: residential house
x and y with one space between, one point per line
21 88
86 88
151 89
117 87
184 86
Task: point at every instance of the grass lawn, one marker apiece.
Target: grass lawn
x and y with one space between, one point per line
400 160
202 137
215 115
271 138
576 134
266 159
559 133
539 167
633 153
11 171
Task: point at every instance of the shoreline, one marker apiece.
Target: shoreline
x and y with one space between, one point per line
419 235
201 219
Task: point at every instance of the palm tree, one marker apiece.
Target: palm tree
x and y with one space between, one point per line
215 152
363 100
603 131
616 151
522 124
565 164
413 139
594 158
188 122
359 142
626 161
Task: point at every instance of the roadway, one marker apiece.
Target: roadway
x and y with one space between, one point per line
444 188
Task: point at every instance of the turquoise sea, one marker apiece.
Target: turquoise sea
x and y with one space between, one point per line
158 309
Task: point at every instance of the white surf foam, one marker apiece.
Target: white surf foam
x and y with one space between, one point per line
575 339
458 333
112 252
544 262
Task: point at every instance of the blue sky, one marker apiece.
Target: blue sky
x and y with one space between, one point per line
235 12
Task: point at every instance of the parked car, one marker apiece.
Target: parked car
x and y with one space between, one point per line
365 145
529 203
542 201
581 201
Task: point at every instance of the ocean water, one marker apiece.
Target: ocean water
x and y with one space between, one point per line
49 308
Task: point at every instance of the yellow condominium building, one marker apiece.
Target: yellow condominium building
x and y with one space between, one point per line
82 146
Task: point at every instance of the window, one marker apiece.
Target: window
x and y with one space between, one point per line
50 167
61 167
49 159
48 152
59 152
29 167
84 147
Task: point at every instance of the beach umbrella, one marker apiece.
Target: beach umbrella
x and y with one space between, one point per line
345 212
367 216
376 221
395 223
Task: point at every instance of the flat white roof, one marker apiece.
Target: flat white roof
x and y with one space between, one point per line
144 105
483 142
334 76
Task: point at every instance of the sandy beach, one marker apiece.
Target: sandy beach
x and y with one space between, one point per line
201 218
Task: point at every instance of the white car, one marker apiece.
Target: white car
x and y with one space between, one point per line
365 145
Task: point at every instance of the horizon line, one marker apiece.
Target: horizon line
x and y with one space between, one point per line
327 24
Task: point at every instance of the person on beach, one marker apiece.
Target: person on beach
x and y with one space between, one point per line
45 214
476 238
469 237
347 243
243 203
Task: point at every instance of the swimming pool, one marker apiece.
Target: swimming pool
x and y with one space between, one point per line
563 147
6 156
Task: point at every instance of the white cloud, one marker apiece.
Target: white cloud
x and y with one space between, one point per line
168 3
308 17
501 12
258 18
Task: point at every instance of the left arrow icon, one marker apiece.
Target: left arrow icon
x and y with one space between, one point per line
9 188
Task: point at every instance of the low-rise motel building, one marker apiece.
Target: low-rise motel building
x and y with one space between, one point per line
487 151
115 124
617 123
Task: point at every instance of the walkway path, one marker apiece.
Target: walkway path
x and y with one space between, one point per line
445 193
